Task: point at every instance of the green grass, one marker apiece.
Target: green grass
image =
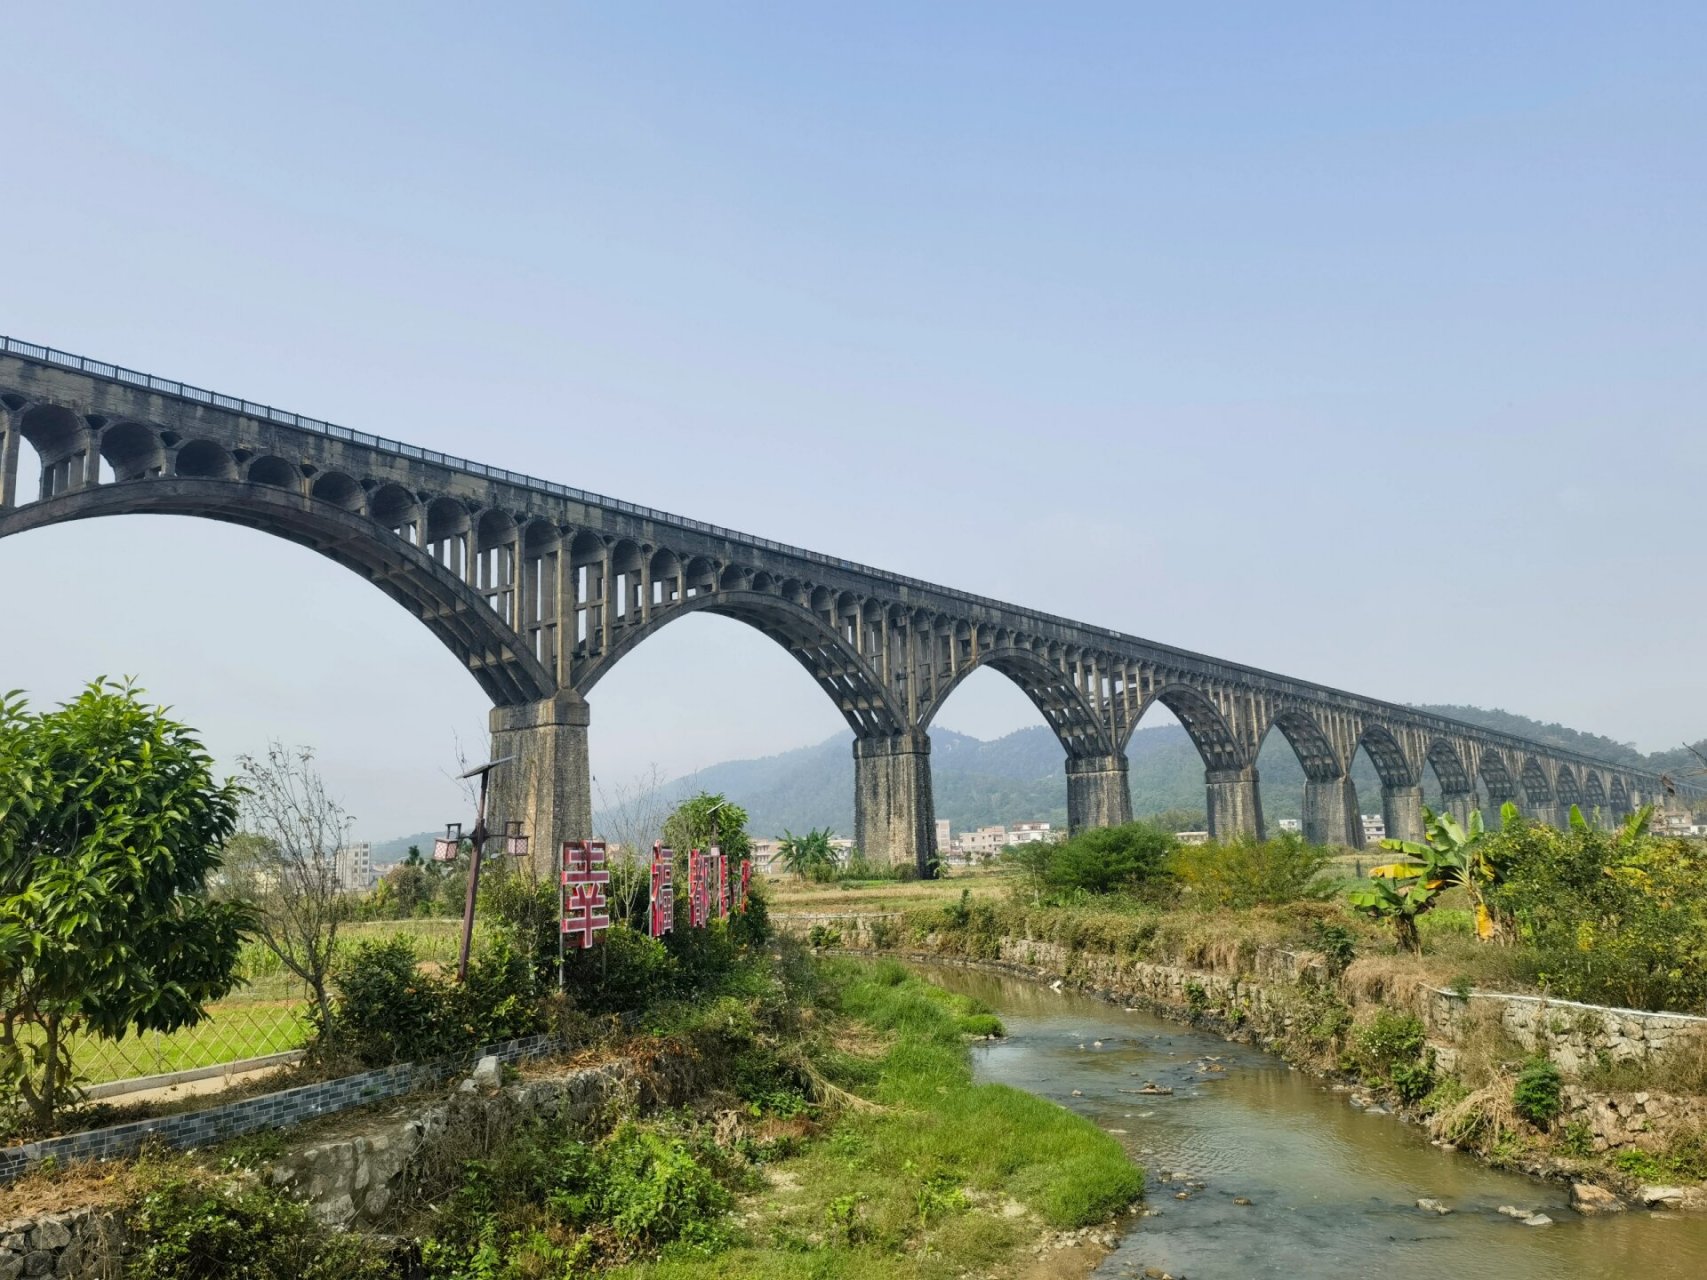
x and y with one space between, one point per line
266 1014
894 1192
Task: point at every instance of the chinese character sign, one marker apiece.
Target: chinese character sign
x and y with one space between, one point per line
722 889
586 911
746 882
696 878
663 891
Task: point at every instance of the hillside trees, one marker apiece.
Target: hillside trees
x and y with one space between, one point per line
111 827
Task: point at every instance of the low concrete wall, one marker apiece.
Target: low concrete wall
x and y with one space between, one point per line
268 1111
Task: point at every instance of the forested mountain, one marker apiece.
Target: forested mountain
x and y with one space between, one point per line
1020 777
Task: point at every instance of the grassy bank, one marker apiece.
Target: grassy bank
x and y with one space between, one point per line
834 1130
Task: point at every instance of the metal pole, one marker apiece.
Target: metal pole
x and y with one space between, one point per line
479 839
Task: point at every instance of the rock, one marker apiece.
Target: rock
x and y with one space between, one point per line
488 1073
1242 1200
467 1086
1661 1197
50 1233
1538 1220
1432 1206
39 1263
11 1266
1512 1211
1588 1198
1078 1093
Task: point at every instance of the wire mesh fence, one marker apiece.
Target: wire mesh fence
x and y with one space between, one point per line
231 1032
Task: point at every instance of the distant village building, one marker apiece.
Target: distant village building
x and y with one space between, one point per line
1374 828
764 852
353 865
1290 824
1192 837
1030 833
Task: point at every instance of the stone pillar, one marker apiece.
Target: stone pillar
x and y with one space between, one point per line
1097 794
1460 804
1402 808
894 818
8 459
1491 815
1330 813
1234 802
548 783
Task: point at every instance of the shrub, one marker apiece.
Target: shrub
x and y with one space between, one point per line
530 911
1334 941
1413 1081
1389 1041
1110 859
703 957
387 1010
626 971
1250 873
185 1231
1535 1096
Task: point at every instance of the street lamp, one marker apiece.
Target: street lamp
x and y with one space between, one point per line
478 839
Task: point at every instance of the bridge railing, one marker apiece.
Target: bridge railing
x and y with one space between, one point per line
199 395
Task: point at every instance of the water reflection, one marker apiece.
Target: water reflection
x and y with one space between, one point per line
1332 1189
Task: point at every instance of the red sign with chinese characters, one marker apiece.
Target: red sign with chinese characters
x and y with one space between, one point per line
746 882
586 911
663 891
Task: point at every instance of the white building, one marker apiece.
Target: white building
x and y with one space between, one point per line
986 842
1192 837
353 865
1374 828
1290 824
1030 833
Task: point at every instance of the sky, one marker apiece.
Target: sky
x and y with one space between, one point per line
1360 343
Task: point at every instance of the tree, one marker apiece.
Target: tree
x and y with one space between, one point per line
290 869
705 820
111 826
1456 857
809 856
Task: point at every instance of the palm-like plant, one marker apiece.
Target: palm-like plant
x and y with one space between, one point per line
809 855
1454 857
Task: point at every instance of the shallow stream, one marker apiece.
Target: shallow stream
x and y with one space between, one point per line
1333 1189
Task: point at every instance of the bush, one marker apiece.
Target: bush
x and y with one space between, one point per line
1535 1096
1109 859
1251 873
530 911
1390 1040
387 1010
625 972
184 1231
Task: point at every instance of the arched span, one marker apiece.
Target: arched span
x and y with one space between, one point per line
1497 777
1202 721
1391 763
1051 691
1316 755
1449 767
490 650
1594 790
1565 783
839 671
1536 788
1618 795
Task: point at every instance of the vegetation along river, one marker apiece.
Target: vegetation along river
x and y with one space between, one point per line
1333 1189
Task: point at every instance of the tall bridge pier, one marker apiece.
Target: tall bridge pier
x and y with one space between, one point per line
539 589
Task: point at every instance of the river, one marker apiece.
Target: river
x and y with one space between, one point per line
1332 1188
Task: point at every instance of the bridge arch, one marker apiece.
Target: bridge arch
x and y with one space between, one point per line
851 684
1201 719
1050 689
1316 754
1392 765
133 451
1566 786
487 647
1537 790
1594 791
1618 795
1448 765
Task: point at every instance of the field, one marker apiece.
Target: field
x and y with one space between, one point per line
267 1014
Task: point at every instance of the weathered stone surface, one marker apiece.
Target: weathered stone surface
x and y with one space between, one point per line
540 589
1661 1197
1586 1198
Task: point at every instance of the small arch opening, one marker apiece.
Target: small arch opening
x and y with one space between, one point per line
205 460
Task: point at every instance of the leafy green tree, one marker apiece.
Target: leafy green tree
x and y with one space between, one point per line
811 856
705 820
111 826
1455 857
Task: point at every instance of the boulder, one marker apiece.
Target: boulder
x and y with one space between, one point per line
1587 1198
1432 1206
1661 1197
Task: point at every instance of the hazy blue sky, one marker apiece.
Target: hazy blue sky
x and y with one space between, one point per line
1364 343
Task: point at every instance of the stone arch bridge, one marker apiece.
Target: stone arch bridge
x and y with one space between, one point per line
539 589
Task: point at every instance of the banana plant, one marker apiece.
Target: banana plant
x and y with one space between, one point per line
1454 857
1398 900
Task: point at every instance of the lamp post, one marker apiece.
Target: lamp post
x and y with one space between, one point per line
478 839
